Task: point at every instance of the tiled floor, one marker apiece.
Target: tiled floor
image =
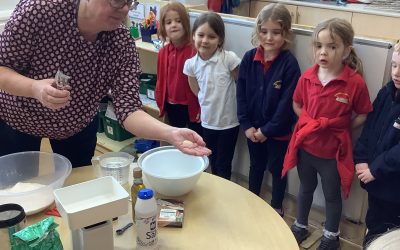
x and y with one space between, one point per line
351 234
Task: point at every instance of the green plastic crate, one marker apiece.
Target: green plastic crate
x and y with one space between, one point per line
147 81
150 92
114 130
100 117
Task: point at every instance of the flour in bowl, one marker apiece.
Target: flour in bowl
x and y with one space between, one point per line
22 187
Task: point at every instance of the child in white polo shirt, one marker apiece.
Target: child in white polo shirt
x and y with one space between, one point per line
212 73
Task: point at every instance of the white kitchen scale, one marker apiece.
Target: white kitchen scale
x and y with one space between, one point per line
88 208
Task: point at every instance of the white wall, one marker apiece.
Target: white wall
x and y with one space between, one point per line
8 4
6 8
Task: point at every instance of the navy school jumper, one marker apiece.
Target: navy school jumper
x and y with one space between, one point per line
379 146
264 100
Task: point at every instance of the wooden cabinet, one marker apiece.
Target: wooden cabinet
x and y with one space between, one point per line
256 6
372 25
311 16
243 9
293 12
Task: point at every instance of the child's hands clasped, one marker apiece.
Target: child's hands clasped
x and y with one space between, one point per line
260 137
364 173
255 135
250 134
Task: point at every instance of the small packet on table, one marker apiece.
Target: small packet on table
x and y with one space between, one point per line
39 236
171 213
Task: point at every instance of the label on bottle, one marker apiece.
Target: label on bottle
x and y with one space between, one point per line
146 232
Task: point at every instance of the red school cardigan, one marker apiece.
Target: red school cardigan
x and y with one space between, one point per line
161 86
339 126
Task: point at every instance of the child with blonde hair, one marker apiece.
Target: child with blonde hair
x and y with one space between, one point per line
212 73
173 94
376 155
267 78
325 98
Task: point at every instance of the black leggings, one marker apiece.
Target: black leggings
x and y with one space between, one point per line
178 116
79 148
222 144
268 155
308 167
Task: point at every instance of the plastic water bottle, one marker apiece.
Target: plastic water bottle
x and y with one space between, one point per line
146 220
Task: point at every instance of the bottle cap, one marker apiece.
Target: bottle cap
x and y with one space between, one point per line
145 194
137 173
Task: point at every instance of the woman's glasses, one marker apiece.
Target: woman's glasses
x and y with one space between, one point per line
119 4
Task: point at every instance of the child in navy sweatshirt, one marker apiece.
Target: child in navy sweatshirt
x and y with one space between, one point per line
267 78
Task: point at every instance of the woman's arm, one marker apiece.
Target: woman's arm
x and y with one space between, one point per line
143 125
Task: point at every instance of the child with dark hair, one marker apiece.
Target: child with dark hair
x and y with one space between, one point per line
212 73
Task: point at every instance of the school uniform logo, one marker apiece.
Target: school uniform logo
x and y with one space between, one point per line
278 84
397 123
342 97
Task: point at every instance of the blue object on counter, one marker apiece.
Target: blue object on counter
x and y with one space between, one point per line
142 145
341 2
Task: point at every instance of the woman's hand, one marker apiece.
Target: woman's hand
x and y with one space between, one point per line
189 142
49 96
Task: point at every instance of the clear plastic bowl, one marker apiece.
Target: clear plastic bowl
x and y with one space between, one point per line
32 168
170 172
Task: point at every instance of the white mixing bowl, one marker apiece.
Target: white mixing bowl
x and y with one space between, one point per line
170 172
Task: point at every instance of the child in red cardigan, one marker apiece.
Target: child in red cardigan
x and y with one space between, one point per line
325 98
173 94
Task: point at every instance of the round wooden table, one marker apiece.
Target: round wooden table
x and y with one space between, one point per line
219 214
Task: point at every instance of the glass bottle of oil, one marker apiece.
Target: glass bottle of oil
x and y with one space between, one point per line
136 186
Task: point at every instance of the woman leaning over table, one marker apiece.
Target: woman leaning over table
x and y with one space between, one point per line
85 40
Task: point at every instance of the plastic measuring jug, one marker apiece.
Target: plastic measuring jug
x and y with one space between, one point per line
115 164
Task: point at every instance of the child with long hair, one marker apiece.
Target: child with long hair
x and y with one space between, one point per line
376 155
325 98
212 73
267 78
173 94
